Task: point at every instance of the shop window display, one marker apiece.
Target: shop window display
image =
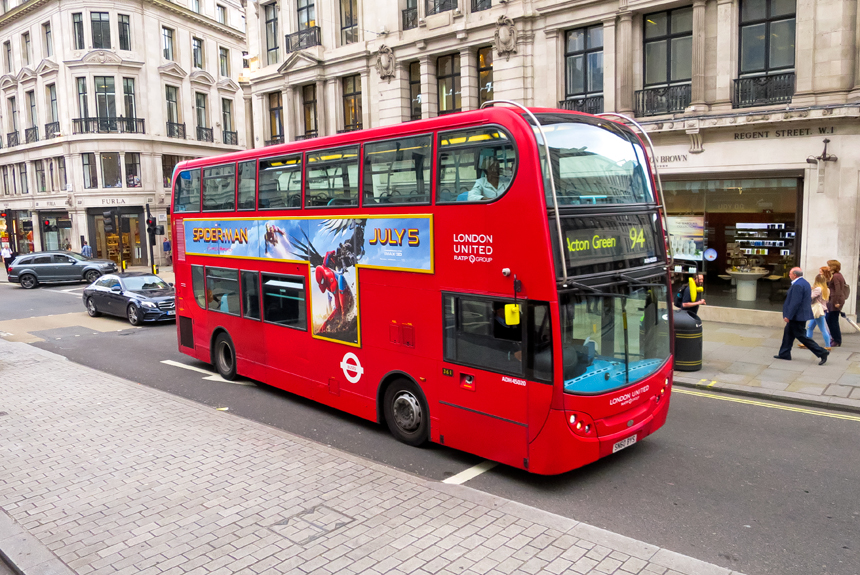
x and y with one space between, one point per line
743 234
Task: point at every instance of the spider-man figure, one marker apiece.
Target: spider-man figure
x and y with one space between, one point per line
332 281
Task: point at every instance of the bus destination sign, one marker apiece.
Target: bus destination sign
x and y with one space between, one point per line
622 241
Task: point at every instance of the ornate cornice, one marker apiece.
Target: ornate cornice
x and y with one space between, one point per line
197 18
201 77
172 69
102 58
227 85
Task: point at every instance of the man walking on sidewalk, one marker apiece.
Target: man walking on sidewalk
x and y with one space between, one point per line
796 311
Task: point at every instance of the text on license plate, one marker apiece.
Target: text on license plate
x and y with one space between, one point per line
170 312
624 443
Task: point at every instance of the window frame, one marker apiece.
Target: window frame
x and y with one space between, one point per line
310 106
26 49
353 28
270 31
78 40
289 277
413 83
221 14
101 158
256 163
52 102
7 52
168 44
103 21
668 37
224 61
767 21
456 77
202 271
48 37
309 11
197 53
206 270
438 162
128 96
300 170
123 22
256 275
481 98
227 115
429 183
355 96
585 53
280 114
175 102
337 149
90 170
203 178
83 96
177 189
135 156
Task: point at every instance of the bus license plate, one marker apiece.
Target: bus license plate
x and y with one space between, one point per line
170 312
624 443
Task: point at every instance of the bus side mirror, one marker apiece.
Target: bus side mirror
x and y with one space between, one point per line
512 314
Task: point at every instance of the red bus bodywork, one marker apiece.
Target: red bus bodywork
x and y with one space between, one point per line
521 423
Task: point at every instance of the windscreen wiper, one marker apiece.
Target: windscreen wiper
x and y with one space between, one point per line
635 282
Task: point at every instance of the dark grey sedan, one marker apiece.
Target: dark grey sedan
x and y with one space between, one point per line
56 266
140 297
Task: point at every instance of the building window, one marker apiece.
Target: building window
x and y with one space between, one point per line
167 43
105 97
200 109
128 97
224 61
583 56
415 91
309 106
669 47
348 21
49 39
13 113
22 172
485 75
171 95
439 6
197 52
132 169
276 124
221 14
195 6
110 170
227 114
5 171
352 102
61 172
271 12
767 36
307 14
448 78
124 32
52 102
90 175
83 107
26 55
31 103
78 30
7 51
101 29
41 181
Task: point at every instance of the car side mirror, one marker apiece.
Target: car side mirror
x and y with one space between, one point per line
116 289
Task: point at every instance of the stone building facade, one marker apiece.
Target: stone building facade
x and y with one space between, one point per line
100 100
738 97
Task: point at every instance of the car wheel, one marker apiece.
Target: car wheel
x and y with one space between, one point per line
29 281
91 308
406 413
135 316
224 356
92 276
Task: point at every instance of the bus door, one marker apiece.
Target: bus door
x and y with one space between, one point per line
483 393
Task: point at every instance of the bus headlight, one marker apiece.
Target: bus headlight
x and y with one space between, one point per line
581 424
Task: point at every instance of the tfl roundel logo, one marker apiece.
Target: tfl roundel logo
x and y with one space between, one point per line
351 367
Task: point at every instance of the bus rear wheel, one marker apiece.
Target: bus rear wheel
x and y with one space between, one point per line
224 356
406 413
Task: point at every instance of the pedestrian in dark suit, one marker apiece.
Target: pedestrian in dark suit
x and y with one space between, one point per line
796 311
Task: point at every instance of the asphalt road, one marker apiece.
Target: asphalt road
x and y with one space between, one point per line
752 488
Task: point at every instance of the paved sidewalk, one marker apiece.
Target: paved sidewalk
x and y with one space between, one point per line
101 475
739 359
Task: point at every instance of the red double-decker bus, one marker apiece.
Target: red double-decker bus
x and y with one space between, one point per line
494 281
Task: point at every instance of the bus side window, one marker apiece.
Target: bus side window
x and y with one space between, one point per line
247 184
222 290
219 188
280 182
476 334
475 165
397 171
251 295
187 192
539 357
284 301
332 178
197 281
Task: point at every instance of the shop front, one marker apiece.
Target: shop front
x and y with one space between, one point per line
20 229
56 230
109 244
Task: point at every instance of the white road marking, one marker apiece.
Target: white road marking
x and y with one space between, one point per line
470 473
72 291
212 376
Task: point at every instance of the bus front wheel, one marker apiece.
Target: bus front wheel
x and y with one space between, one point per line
224 357
406 412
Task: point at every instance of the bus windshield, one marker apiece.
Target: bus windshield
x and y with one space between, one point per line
613 339
593 163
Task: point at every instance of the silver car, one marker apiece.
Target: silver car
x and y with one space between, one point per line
58 266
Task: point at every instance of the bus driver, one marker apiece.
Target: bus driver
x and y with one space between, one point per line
490 185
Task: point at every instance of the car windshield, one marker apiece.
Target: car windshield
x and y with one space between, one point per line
612 340
593 163
75 255
144 283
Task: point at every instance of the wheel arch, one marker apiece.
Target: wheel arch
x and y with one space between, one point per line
215 333
385 382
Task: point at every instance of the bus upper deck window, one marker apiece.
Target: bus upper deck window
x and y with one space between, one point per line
187 192
397 171
475 165
332 178
280 184
219 188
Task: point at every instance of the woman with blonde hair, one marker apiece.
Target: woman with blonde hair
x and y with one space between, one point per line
820 295
836 301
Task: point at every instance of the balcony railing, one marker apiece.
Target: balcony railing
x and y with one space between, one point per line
349 128
31 135
763 90
588 104
51 130
410 18
204 134
439 6
231 138
176 130
107 125
665 100
275 141
479 5
307 136
304 39
12 139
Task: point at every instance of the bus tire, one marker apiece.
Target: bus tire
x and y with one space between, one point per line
224 356
406 412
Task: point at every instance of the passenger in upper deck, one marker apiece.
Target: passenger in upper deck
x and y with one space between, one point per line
491 184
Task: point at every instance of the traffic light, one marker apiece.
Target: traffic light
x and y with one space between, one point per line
110 223
159 230
150 225
46 225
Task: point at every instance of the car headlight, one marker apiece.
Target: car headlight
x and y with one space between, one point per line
148 304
